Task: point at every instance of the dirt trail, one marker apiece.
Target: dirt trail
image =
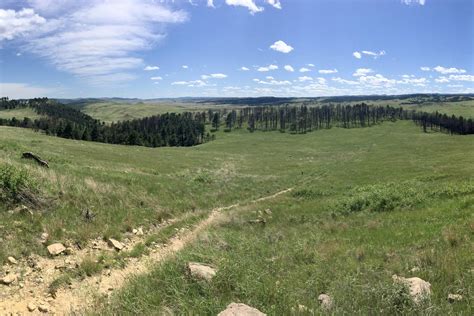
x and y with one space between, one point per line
33 287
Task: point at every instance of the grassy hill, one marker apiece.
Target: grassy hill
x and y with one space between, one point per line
367 203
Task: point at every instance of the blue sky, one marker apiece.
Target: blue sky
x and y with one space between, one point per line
165 48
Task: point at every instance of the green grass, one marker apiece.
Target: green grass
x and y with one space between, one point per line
117 111
20 114
462 108
309 245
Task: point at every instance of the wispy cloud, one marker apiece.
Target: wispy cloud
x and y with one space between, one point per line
289 68
23 91
362 72
99 40
185 66
452 70
243 68
327 71
156 78
305 69
357 55
372 54
249 4
411 2
213 76
150 68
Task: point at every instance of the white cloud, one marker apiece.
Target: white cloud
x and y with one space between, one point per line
156 78
344 81
310 65
374 54
411 80
185 66
451 70
425 68
411 2
362 72
289 68
305 78
192 83
327 71
275 3
267 68
281 47
305 69
150 68
17 23
442 79
462 78
23 91
376 80
98 40
210 3
249 4
244 69
273 82
213 76
357 55
269 78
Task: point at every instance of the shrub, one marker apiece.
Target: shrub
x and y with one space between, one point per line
16 184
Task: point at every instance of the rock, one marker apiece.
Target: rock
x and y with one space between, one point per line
134 231
31 307
238 309
325 301
12 260
9 279
419 289
201 271
22 209
116 244
69 251
302 308
268 211
56 249
415 269
43 308
44 238
454 298
140 232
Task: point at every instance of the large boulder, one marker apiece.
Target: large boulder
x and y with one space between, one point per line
56 249
419 289
239 309
201 271
9 279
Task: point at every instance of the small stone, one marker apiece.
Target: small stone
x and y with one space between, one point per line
9 279
134 231
268 211
325 301
43 308
415 269
44 238
201 271
56 249
419 289
302 308
116 244
69 251
12 260
31 307
140 231
454 298
239 309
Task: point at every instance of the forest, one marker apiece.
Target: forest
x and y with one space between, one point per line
189 128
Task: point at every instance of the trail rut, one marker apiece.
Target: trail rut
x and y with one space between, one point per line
82 293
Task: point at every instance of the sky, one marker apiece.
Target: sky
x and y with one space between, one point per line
234 48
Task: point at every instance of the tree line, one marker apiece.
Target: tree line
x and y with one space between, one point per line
170 129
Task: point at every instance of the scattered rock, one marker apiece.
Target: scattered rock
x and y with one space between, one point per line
415 269
140 232
258 221
134 231
12 260
9 279
454 298
201 271
238 309
43 308
419 289
22 209
56 249
325 301
116 244
31 307
268 211
302 308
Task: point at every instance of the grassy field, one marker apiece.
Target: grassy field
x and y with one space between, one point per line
462 108
19 114
367 203
116 111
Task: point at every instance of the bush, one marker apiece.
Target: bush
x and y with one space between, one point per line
15 184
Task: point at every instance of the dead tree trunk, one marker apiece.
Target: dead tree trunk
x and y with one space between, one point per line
30 155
